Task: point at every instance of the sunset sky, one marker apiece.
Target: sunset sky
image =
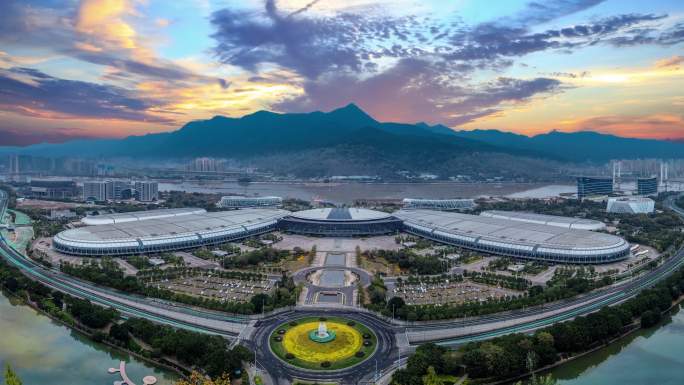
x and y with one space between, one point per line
113 68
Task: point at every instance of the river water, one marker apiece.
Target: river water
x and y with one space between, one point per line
347 193
43 352
653 356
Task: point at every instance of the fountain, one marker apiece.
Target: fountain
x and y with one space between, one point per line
322 334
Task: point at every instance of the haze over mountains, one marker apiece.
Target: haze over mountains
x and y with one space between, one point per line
349 141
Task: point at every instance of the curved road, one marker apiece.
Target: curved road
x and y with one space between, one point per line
129 305
448 333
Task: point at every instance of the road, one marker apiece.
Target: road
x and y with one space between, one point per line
129 305
395 337
454 333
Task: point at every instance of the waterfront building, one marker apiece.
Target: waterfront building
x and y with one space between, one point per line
239 202
439 204
647 186
591 186
95 191
147 191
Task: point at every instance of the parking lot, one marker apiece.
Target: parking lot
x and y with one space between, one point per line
221 289
449 292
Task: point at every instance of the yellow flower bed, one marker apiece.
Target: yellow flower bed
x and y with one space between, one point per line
346 343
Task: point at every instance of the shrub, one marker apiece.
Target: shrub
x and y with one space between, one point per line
325 364
360 354
289 356
351 323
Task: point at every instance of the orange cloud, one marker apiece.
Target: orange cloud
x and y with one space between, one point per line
659 126
103 19
673 61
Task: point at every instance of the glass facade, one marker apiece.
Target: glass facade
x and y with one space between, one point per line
647 186
587 186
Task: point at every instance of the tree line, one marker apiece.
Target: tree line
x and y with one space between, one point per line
516 354
208 353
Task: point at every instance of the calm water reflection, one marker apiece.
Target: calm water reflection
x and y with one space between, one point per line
654 356
46 353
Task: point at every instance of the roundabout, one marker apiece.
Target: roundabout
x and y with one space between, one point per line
323 343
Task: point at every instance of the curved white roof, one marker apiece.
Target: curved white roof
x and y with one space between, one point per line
135 216
194 229
515 237
543 219
340 214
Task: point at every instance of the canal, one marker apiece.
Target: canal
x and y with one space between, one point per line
43 352
652 356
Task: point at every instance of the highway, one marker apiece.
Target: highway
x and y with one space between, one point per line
255 333
128 305
454 333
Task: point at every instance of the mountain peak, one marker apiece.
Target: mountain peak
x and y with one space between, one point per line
352 114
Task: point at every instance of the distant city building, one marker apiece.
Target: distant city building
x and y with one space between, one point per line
587 186
238 202
439 204
53 189
630 205
95 191
61 214
206 165
647 186
14 164
147 191
115 189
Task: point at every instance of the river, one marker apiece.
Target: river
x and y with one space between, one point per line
651 356
43 352
347 193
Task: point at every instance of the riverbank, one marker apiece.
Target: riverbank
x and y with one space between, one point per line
46 352
632 329
178 370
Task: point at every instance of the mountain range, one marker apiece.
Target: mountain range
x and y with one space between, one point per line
349 141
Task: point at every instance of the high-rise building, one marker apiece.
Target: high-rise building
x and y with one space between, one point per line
647 186
588 186
147 191
95 191
14 164
115 189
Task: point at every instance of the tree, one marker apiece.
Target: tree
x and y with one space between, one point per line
11 378
198 379
431 378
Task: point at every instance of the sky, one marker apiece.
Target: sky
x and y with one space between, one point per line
113 68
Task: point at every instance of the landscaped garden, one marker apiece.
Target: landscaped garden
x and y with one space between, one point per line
323 343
